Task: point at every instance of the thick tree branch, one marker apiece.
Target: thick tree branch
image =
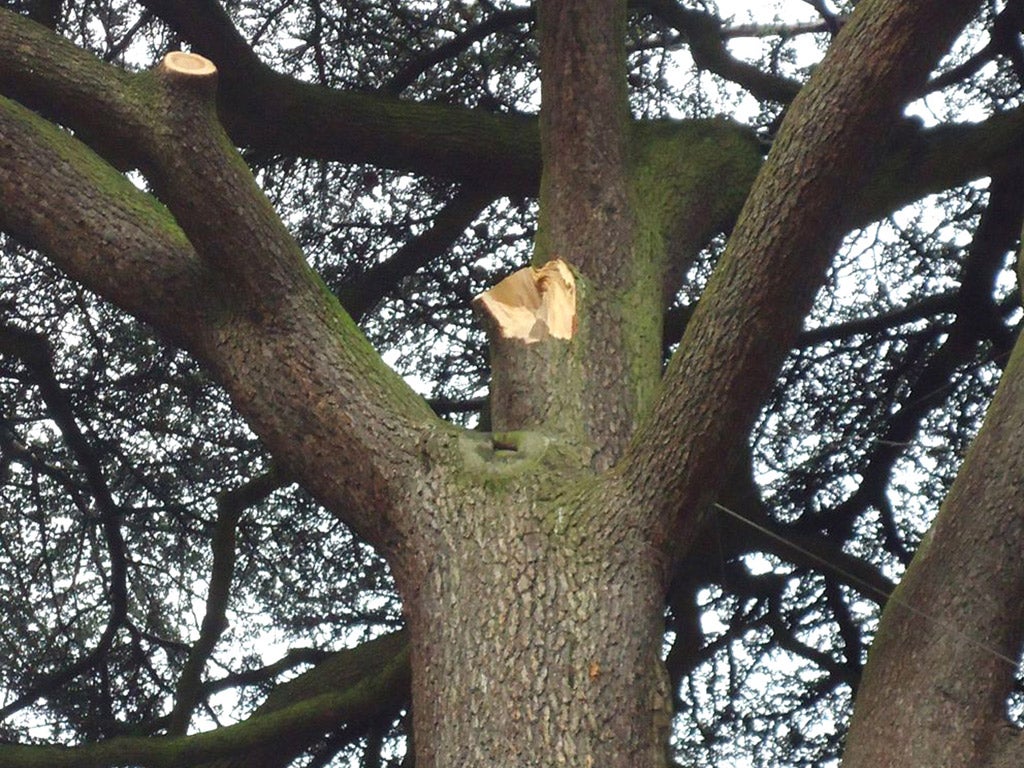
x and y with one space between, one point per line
460 144
922 162
496 152
344 669
778 30
377 687
50 74
248 306
777 257
97 227
212 193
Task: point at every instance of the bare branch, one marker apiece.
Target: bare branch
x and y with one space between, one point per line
33 350
229 509
774 30
362 293
494 23
706 37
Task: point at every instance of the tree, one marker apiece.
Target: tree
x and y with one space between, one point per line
620 484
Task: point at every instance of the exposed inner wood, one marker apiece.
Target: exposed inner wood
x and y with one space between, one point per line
188 64
533 304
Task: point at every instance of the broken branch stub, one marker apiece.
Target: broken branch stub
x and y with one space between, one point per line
189 73
188 64
533 304
531 319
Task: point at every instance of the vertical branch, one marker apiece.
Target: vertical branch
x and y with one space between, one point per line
229 509
585 207
588 217
35 354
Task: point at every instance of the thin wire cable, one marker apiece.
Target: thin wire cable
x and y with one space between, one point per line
862 584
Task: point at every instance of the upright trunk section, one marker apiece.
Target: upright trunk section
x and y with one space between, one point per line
551 597
588 216
547 652
530 318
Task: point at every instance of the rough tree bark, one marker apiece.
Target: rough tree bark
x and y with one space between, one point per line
532 563
541 672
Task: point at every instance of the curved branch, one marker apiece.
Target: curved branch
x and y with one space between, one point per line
752 530
361 294
1004 40
96 225
959 605
787 639
959 609
853 643
706 37
688 647
295 657
776 260
926 308
496 22
977 320
997 234
832 20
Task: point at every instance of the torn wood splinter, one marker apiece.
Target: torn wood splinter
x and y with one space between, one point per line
533 304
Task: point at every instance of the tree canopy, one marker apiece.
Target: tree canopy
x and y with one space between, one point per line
200 521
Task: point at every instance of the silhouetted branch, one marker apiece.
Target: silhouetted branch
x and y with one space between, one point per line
33 350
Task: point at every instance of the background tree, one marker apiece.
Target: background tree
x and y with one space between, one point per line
203 511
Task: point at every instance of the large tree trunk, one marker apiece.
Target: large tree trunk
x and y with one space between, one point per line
548 572
547 652
552 597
